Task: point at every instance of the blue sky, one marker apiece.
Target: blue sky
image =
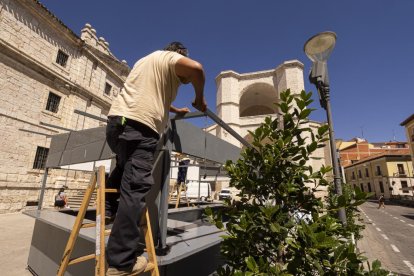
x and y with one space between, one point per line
371 68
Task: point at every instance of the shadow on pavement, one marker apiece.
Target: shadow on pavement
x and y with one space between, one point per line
408 216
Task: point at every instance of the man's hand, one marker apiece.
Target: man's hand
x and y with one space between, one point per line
183 110
200 105
179 111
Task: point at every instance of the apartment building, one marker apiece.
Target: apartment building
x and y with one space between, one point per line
357 149
408 124
389 173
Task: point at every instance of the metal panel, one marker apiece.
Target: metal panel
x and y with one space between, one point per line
57 146
217 120
83 137
78 147
50 234
53 159
107 153
212 171
83 153
191 140
196 247
88 145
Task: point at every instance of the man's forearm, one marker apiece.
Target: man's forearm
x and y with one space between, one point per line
198 82
191 71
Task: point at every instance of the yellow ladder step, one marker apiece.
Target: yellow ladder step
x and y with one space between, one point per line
82 259
111 190
88 225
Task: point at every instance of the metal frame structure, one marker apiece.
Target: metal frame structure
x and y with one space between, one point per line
90 145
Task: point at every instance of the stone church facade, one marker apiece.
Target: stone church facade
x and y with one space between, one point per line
47 72
245 100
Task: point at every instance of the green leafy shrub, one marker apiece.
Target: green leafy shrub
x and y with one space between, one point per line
350 200
279 227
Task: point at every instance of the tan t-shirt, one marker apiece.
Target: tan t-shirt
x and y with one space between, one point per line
149 90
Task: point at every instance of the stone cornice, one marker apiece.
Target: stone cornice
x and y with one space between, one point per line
408 120
290 64
47 15
227 103
387 157
259 74
244 76
108 59
61 28
29 62
316 122
109 70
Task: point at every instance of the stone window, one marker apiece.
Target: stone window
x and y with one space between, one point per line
381 187
108 89
359 174
353 175
400 169
404 186
366 172
369 187
40 158
62 58
379 170
53 102
362 187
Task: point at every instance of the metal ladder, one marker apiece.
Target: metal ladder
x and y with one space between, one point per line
98 181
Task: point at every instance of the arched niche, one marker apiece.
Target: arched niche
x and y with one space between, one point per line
258 99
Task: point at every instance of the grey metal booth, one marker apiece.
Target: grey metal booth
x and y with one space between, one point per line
186 242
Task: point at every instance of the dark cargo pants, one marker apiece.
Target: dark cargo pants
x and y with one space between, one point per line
134 145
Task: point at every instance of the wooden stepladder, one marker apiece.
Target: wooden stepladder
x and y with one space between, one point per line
179 188
98 182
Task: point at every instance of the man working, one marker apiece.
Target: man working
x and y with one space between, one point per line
136 121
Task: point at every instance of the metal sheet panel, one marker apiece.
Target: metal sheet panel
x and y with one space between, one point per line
107 153
191 140
84 137
53 159
50 235
78 147
212 171
83 153
88 145
57 146
196 247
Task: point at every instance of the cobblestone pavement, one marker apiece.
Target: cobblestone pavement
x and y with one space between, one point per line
389 236
15 238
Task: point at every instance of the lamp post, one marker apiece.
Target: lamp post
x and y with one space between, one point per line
318 49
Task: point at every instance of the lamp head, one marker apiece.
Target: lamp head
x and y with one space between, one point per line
319 47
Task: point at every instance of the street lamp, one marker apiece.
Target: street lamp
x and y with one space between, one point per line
318 48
